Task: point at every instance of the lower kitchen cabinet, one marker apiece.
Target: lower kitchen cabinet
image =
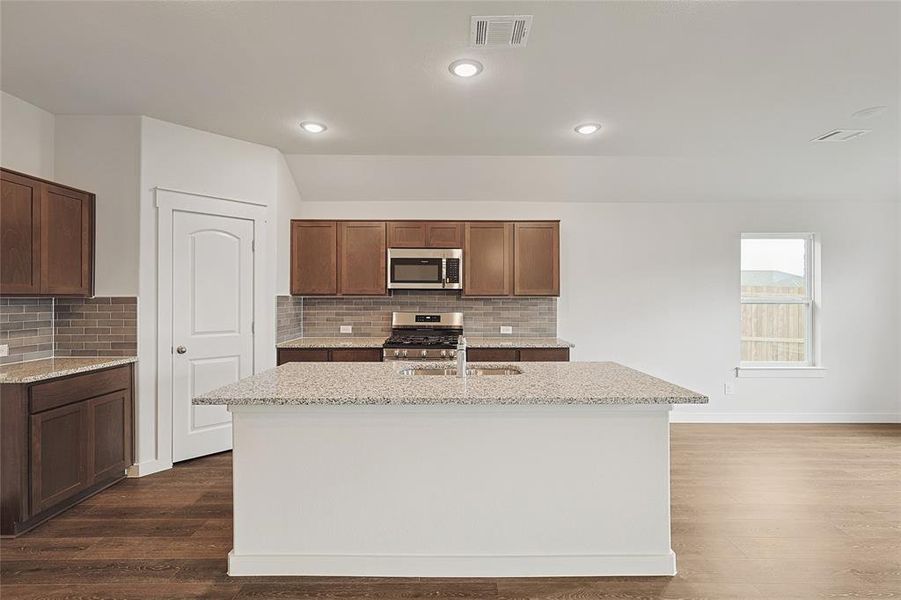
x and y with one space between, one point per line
517 354
62 440
286 355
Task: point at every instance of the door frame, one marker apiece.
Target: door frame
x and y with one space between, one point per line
168 202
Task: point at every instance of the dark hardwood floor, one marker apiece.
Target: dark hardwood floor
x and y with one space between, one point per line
759 511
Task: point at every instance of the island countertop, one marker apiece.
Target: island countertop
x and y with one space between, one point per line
540 383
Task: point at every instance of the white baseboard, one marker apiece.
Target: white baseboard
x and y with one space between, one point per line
600 565
148 467
678 416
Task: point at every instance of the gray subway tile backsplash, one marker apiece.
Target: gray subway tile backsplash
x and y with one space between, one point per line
371 316
101 326
26 325
38 328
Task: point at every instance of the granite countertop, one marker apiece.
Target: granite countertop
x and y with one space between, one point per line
376 342
517 342
333 342
49 368
381 383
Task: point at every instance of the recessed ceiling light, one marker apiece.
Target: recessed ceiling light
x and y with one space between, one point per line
313 127
869 113
465 67
587 128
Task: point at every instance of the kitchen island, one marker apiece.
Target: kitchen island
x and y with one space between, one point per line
559 469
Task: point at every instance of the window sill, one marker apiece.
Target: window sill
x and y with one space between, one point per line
780 372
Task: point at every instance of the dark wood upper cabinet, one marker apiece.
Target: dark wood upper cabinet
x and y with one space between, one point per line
488 259
536 258
314 258
47 238
407 234
66 241
335 258
362 254
425 234
20 234
444 234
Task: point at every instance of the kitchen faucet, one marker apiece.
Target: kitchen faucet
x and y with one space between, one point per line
461 357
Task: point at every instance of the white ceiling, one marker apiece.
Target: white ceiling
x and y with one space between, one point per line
666 79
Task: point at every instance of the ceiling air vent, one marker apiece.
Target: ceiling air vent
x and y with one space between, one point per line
841 135
508 31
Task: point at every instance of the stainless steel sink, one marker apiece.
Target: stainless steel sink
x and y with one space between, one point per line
471 372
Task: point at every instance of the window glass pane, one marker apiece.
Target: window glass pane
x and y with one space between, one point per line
774 333
773 267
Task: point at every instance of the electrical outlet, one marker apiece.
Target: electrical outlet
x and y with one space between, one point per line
729 388
4 349
506 329
347 329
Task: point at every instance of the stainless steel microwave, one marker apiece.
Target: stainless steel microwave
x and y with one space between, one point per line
425 268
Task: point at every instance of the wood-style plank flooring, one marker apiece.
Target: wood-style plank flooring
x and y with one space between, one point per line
759 511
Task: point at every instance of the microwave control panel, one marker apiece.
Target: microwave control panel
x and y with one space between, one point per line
452 270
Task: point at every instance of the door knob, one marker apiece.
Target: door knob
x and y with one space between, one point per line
181 349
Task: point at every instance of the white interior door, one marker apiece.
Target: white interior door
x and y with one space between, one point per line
212 324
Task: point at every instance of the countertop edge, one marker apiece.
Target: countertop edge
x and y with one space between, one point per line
104 363
607 401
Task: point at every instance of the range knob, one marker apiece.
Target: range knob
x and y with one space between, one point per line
404 354
453 353
424 353
397 353
444 353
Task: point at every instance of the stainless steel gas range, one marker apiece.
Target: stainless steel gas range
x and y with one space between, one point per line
423 336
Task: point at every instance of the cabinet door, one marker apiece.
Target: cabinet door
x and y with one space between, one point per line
314 248
536 259
109 439
59 467
444 234
488 258
356 355
407 234
67 244
20 239
362 255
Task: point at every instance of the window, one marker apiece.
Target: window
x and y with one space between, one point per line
778 307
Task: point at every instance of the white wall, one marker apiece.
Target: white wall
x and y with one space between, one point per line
197 162
655 285
26 137
102 154
288 207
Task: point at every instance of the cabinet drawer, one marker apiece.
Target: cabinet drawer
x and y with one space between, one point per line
286 355
59 392
492 354
544 354
356 355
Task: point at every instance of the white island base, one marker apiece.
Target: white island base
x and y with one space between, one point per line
452 490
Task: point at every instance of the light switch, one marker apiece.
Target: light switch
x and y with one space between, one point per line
4 349
347 329
729 388
506 329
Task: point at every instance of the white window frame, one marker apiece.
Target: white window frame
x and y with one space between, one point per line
812 367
